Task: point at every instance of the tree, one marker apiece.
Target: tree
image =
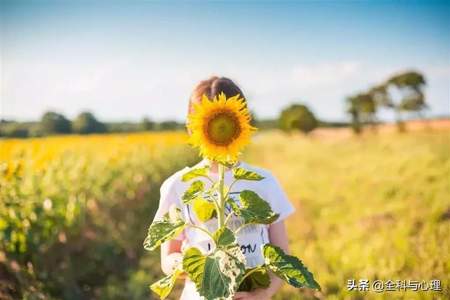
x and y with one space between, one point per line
54 123
297 117
368 108
147 124
363 108
86 123
355 113
381 96
410 84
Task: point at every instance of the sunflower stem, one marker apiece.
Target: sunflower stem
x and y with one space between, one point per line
221 212
202 230
250 272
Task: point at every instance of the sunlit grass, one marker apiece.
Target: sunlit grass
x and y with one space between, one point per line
375 207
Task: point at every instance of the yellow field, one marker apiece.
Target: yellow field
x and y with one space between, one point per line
75 209
38 153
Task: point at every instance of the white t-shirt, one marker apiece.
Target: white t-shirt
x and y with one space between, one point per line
249 238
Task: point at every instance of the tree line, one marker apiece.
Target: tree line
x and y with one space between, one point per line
401 93
294 117
52 123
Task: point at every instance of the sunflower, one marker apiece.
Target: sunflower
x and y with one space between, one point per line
220 127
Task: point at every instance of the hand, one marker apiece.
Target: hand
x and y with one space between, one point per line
183 275
258 294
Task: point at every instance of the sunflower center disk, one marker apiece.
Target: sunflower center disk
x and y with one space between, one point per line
223 128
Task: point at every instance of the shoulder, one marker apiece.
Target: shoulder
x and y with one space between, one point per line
270 186
173 179
268 176
272 192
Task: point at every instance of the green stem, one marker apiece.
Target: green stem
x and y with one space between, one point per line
231 186
250 272
209 178
242 227
228 218
201 229
221 211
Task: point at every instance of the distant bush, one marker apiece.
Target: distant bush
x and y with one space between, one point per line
13 129
333 124
146 124
170 125
122 127
297 117
54 123
86 123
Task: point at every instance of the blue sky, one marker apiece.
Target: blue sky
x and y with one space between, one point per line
127 59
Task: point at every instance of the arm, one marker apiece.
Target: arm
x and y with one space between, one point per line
171 256
278 237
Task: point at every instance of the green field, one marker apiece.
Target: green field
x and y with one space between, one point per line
75 210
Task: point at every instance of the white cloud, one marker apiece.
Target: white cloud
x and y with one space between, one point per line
329 74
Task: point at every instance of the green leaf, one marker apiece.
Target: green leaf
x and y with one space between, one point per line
194 264
254 209
233 205
164 286
228 163
288 267
194 173
224 237
161 231
193 191
243 174
204 209
259 278
218 275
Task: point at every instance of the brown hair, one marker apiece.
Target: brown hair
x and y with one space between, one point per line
212 87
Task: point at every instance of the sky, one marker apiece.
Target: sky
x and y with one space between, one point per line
124 60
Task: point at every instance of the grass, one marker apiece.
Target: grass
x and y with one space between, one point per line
375 207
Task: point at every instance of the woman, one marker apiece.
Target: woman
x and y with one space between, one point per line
249 239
